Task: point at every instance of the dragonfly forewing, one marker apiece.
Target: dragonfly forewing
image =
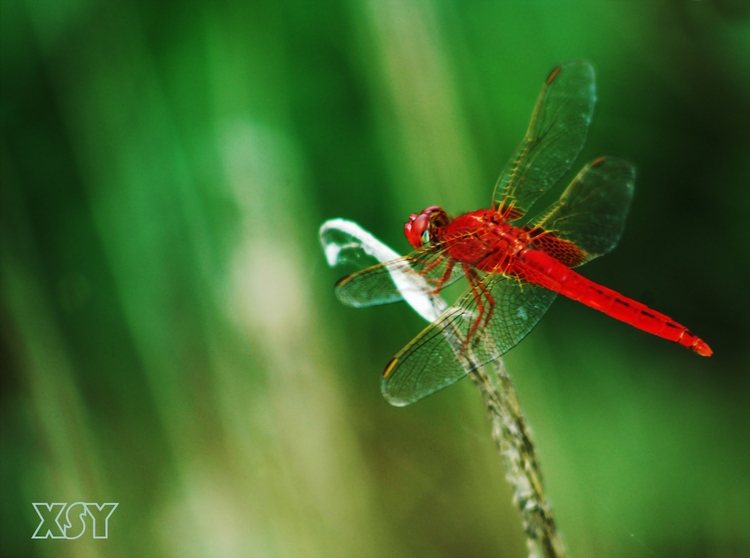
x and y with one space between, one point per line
425 271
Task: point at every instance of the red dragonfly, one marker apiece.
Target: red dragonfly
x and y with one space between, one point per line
514 266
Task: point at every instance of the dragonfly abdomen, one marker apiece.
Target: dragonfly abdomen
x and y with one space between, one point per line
567 282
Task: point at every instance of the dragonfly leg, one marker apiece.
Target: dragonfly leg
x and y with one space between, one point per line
428 268
443 277
478 289
490 302
432 265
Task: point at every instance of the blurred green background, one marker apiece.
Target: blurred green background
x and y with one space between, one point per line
170 338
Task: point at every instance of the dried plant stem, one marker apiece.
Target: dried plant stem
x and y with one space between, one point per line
513 439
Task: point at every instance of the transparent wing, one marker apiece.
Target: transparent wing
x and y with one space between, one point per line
555 136
376 285
440 355
588 219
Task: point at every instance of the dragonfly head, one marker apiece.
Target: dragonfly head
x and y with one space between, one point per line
420 229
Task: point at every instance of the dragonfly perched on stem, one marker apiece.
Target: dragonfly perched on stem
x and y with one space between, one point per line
514 266
344 241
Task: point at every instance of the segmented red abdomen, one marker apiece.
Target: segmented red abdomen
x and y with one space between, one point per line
546 271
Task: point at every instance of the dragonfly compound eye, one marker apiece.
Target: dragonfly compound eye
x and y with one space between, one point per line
415 229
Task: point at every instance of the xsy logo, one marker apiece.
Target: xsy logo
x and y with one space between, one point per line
77 515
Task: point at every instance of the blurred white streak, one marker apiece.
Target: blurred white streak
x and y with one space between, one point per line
285 418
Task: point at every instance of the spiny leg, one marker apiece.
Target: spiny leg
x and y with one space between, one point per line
490 302
483 287
476 285
443 277
432 265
